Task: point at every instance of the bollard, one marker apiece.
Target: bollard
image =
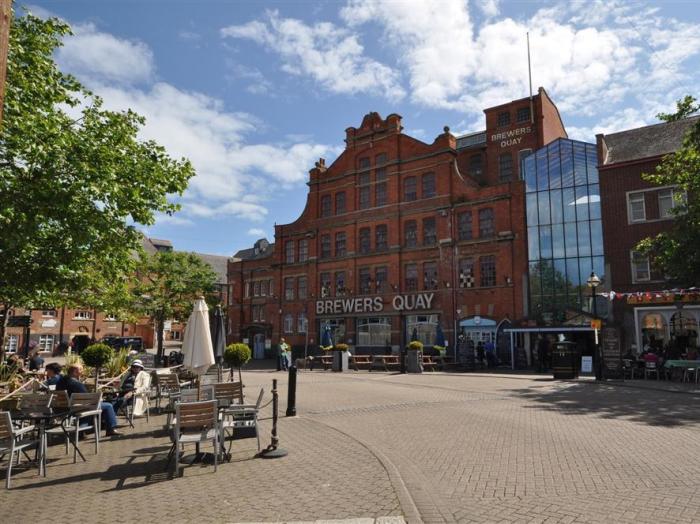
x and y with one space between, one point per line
292 392
272 451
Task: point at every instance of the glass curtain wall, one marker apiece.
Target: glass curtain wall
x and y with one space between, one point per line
565 234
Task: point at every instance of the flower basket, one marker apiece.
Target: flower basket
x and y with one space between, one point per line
341 360
414 357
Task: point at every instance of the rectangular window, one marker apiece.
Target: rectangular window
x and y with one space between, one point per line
365 241
380 194
289 251
641 272
48 313
381 242
109 317
340 203
326 206
247 289
46 342
487 268
428 185
411 277
325 281
289 288
365 281
464 225
476 166
410 189
302 288
381 158
340 244
256 288
255 313
303 250
410 232
340 289
363 163
486 227
503 118
466 272
636 208
523 115
429 232
83 315
176 335
505 167
288 323
364 179
325 246
666 203
302 323
430 275
263 288
365 197
381 277
11 343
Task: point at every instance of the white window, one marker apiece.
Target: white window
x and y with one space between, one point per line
48 313
46 342
667 201
110 318
288 324
83 315
640 267
11 343
175 335
635 207
302 323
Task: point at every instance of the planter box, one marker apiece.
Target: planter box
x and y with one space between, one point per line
340 361
414 361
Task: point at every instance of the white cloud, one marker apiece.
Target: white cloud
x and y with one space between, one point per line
103 56
256 232
235 176
489 7
331 55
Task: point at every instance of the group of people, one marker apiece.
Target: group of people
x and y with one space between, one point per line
486 353
135 381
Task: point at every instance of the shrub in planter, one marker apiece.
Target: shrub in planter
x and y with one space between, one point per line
237 355
340 347
415 345
97 356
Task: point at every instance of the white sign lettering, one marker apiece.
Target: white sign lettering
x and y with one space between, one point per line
512 137
340 306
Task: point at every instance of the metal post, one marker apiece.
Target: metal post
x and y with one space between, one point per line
292 392
272 451
597 342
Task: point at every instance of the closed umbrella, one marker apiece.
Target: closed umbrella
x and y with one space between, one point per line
414 334
196 346
327 337
218 336
440 337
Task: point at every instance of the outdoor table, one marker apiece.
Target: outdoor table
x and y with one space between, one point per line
681 364
41 417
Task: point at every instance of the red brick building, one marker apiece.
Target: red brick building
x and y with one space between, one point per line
399 236
633 209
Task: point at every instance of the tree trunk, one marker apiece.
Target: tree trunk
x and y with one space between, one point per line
61 326
160 328
3 331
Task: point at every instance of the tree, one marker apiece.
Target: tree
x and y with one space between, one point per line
676 252
75 182
167 285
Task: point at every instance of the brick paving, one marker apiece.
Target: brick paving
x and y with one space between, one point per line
432 448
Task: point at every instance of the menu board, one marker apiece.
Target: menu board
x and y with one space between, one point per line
465 354
610 345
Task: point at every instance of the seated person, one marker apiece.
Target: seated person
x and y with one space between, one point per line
650 357
35 360
692 354
70 382
53 374
135 381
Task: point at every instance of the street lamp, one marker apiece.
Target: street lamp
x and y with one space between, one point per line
593 282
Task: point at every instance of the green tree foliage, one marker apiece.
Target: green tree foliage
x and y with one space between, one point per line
75 181
97 356
167 285
676 252
237 355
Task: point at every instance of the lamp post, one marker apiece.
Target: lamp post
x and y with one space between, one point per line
593 282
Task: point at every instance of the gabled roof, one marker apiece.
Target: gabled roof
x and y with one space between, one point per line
261 249
645 142
218 263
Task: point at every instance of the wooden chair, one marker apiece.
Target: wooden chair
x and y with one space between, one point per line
60 400
13 441
196 423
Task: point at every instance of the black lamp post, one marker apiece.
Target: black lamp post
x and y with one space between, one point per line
593 282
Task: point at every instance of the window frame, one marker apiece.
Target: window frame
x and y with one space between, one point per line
326 206
487 278
523 114
633 267
340 203
410 233
482 232
428 184
505 167
638 196
381 242
289 251
364 243
464 233
341 244
325 251
410 279
411 196
288 324
503 119
289 288
429 231
303 249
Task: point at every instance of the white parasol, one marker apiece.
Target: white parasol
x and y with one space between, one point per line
196 346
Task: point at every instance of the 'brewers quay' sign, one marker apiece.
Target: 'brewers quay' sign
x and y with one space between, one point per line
511 137
338 306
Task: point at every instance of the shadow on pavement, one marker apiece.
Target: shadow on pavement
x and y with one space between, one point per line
655 408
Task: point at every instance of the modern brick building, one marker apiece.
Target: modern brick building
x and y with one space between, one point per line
632 210
399 236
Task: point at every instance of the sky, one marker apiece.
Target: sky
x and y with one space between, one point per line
254 93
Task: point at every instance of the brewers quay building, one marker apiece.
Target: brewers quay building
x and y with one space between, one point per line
399 236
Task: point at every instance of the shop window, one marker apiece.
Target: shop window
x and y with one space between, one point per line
289 288
411 277
486 227
326 206
487 268
410 233
410 189
381 242
374 331
503 118
429 232
423 326
505 167
365 241
302 288
325 246
288 324
303 250
466 272
641 271
428 185
365 281
340 203
464 225
340 244
289 251
430 276
522 115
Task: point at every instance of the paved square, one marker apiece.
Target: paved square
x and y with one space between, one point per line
433 448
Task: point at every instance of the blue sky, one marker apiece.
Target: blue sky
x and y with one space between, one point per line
255 92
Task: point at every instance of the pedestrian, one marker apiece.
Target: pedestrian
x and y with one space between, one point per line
490 354
283 357
480 354
35 360
542 354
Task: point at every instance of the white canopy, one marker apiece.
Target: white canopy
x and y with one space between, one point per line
197 347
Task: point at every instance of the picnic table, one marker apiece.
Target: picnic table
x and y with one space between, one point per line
386 361
361 360
681 364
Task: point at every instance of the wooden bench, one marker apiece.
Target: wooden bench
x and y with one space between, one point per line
386 361
430 363
326 361
361 360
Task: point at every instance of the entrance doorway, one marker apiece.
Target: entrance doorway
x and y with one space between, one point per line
259 346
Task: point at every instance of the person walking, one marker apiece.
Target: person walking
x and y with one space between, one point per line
283 355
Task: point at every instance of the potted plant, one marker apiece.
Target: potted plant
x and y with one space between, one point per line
97 356
341 357
237 355
442 350
414 357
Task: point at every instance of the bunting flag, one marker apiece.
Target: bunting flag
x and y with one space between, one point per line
666 296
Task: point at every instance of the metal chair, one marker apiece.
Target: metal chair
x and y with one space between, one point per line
228 393
690 373
86 405
649 368
239 416
193 395
60 400
38 401
13 441
628 368
196 423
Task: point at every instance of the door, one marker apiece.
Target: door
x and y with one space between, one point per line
259 346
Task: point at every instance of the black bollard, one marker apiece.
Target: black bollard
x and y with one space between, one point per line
292 392
272 451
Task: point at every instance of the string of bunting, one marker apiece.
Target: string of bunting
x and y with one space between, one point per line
667 296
